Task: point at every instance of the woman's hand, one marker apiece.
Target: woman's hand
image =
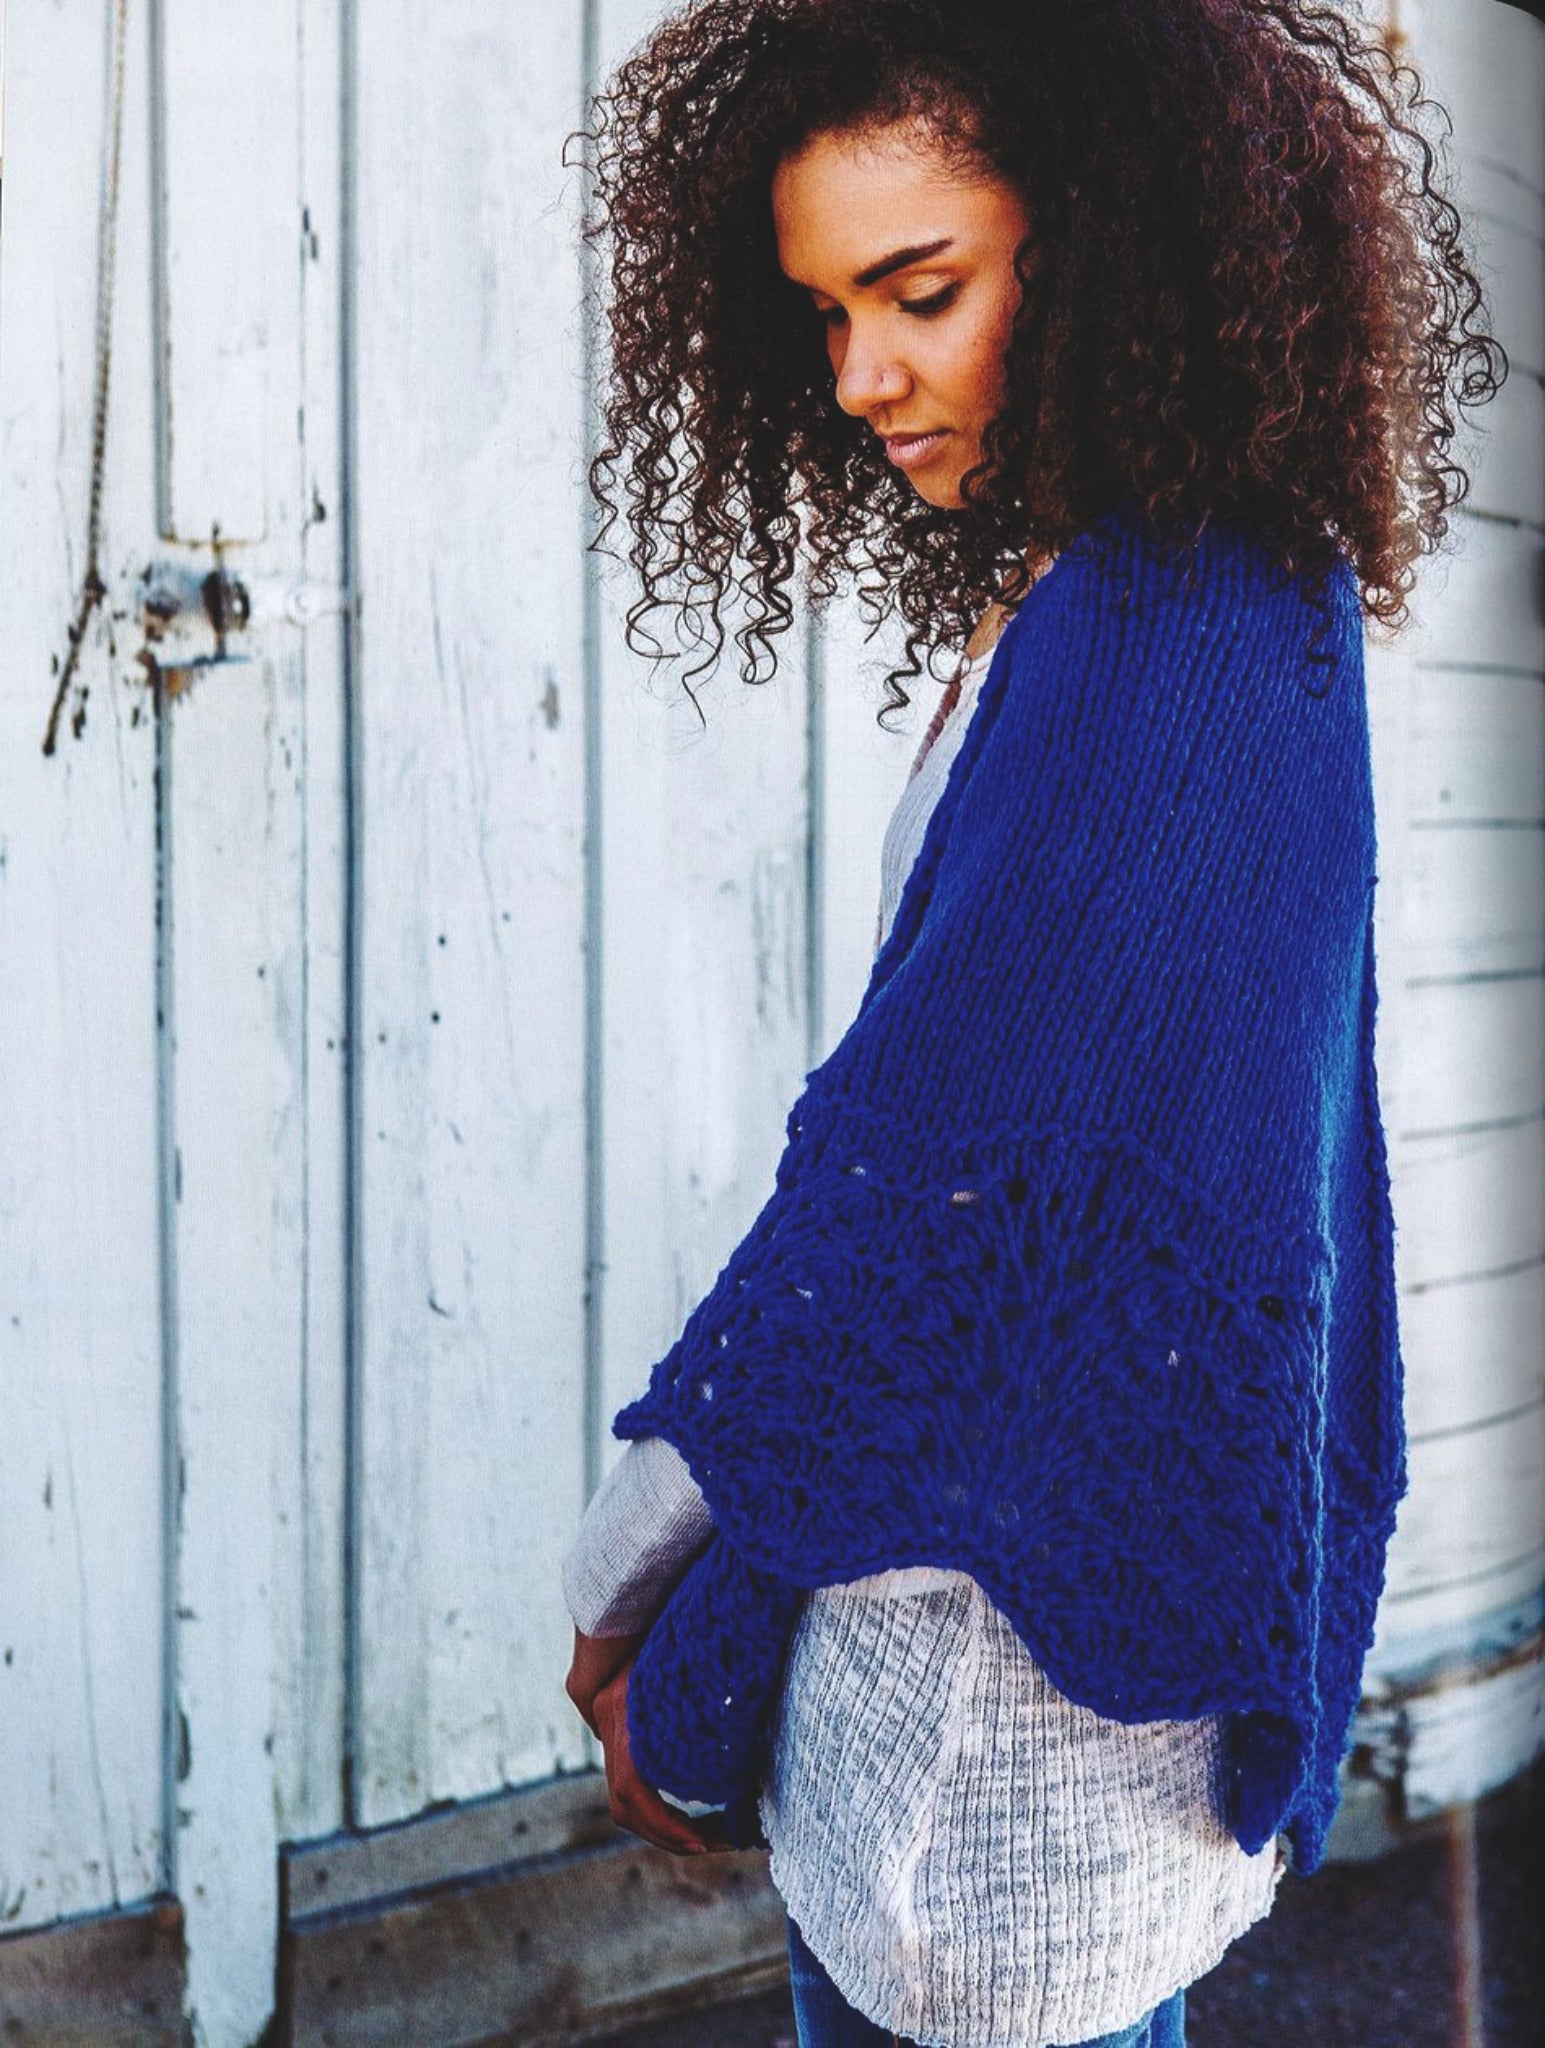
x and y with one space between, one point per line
598 1685
597 1660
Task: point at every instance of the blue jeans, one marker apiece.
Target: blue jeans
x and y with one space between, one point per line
826 2020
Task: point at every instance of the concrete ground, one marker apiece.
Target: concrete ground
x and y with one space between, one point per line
1433 1945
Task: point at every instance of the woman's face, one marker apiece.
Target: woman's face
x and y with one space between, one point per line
910 263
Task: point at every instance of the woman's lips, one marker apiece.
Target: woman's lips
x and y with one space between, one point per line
908 450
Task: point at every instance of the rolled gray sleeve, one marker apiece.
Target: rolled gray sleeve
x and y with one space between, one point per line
645 1523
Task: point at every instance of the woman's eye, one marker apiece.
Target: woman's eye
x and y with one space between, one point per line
921 309
936 304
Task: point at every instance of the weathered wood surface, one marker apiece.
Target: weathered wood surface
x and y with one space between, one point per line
82 1591
252 897
311 1601
1463 1739
525 1919
341 1871
173 1584
470 742
114 1980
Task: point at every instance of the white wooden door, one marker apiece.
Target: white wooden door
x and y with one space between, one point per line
405 1003
171 924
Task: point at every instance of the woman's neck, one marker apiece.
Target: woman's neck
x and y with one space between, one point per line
988 627
993 621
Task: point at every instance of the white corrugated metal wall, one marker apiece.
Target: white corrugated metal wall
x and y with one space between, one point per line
303 1384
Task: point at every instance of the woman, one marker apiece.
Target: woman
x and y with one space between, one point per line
1000 1541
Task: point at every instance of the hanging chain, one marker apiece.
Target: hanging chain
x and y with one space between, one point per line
93 589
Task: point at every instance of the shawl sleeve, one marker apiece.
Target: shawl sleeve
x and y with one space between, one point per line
1076 1274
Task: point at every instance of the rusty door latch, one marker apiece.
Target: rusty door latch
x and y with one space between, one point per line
193 621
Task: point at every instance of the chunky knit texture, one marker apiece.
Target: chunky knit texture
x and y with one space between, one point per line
1077 1274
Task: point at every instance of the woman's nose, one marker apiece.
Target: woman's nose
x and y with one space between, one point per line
869 376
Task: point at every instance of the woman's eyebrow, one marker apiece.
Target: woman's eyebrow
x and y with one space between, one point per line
899 259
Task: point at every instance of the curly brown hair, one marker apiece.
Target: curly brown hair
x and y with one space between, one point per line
1251 298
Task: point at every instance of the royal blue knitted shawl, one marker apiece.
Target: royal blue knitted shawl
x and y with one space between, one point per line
1077 1273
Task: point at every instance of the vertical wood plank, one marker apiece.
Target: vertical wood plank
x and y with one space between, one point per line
80 1313
222 298
310 1606
471 732
238 855
235 873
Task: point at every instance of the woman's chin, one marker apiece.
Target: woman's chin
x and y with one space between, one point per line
944 492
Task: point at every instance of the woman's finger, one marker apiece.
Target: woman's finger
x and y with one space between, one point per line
639 1807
